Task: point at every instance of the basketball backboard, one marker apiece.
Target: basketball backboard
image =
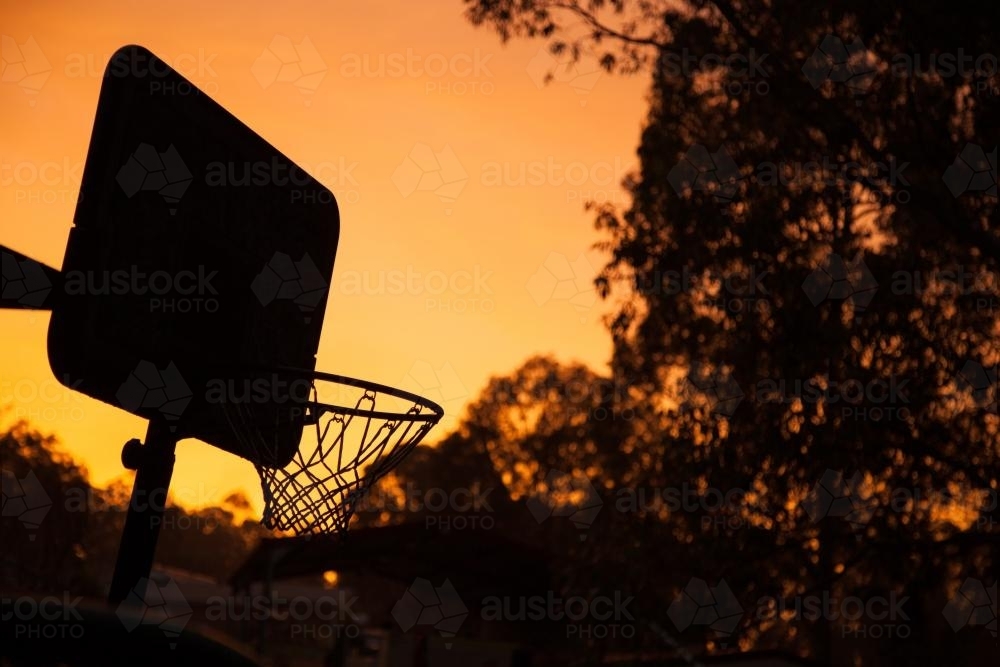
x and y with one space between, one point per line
198 253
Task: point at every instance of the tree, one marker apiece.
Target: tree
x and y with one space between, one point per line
62 534
806 286
43 546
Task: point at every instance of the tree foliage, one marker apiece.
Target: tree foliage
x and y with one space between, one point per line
805 285
61 533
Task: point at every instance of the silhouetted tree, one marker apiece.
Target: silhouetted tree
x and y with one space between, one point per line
60 533
43 547
737 379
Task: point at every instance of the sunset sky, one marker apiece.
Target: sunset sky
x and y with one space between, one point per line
390 86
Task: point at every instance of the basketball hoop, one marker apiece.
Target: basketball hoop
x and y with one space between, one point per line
355 432
266 254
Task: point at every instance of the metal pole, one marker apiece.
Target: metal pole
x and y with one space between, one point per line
154 463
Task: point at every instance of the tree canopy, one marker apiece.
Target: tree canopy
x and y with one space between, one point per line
805 292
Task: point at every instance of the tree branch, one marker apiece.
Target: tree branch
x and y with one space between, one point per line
603 29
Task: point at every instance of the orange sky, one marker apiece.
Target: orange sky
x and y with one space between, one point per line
396 88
